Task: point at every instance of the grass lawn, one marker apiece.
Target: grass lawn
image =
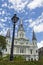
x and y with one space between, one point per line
20 61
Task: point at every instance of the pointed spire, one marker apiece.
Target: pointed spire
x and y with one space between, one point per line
21 21
34 37
8 33
21 26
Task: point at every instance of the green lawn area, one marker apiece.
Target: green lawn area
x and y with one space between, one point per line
20 61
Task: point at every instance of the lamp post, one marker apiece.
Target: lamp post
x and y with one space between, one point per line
14 19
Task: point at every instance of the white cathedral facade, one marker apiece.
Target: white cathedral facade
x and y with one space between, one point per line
22 45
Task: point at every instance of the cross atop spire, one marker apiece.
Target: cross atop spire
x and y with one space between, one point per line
34 37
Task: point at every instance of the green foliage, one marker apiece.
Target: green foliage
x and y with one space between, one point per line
41 58
0 53
18 60
1 58
2 42
20 63
6 57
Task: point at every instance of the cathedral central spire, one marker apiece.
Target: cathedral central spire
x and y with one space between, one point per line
21 21
21 26
21 32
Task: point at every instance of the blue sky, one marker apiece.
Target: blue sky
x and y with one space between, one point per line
31 12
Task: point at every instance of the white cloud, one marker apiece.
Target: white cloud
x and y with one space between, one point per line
18 5
40 44
30 20
1 25
2 20
3 12
0 13
0 32
3 28
35 3
10 7
4 31
32 24
38 28
37 24
4 5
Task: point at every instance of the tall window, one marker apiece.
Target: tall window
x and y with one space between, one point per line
21 50
26 42
31 51
17 49
36 51
21 34
16 42
7 40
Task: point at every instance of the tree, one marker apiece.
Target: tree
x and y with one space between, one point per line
2 43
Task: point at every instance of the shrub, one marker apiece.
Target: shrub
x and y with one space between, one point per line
19 58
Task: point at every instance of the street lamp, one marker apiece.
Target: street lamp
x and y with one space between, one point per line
14 19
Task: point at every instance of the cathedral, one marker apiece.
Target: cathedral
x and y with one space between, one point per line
22 45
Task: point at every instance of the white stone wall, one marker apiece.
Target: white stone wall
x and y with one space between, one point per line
27 47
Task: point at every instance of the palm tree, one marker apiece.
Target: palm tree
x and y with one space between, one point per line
2 44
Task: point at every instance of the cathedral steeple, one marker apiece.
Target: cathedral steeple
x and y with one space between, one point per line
34 37
21 26
8 33
21 21
21 32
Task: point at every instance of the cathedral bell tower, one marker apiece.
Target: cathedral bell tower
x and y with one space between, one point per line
34 40
8 36
21 32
